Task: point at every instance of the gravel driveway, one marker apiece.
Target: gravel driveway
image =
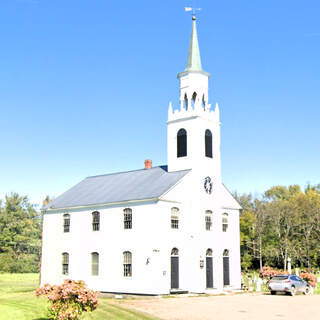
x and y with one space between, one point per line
238 307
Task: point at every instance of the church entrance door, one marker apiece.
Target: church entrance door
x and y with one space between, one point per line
174 268
226 268
209 269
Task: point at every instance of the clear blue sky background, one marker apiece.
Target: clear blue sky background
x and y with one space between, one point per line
85 86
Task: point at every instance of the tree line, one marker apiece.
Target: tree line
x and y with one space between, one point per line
283 223
20 235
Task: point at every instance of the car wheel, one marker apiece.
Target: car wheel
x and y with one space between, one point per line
293 291
273 292
307 290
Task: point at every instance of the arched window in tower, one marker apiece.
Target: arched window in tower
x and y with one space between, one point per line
203 102
193 99
182 143
208 143
185 102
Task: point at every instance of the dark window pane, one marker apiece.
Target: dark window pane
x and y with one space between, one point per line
208 143
174 223
182 143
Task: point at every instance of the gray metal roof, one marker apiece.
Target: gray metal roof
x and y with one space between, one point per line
119 187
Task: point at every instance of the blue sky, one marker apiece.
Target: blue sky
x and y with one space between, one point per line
85 86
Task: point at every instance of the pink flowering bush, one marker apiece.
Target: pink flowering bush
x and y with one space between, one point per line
269 272
69 300
309 277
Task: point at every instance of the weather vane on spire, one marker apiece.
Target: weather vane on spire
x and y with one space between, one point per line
193 10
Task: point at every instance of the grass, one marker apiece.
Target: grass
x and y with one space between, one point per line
18 302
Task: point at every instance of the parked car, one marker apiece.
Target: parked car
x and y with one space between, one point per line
290 284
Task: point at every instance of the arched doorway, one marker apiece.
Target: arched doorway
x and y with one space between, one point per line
226 268
174 268
209 269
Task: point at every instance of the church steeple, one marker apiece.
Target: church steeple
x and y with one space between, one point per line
194 59
194 130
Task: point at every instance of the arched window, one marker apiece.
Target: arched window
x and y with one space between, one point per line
182 143
209 253
127 264
65 263
66 222
174 252
225 222
185 102
95 221
208 143
174 218
193 99
226 268
127 218
203 102
95 263
174 260
208 220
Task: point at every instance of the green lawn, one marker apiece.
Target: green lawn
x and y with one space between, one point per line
17 302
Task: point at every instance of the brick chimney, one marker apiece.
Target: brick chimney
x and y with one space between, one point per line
147 164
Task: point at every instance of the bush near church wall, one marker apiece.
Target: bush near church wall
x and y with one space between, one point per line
69 300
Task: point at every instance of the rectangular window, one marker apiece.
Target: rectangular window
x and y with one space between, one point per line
127 270
65 263
208 223
66 223
127 264
225 222
95 264
174 223
127 219
95 221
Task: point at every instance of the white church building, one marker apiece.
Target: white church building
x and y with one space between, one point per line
155 230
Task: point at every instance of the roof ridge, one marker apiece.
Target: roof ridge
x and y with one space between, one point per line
109 174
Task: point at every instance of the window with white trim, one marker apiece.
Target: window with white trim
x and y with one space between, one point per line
65 263
127 264
225 223
96 221
66 222
174 218
94 263
127 218
208 220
